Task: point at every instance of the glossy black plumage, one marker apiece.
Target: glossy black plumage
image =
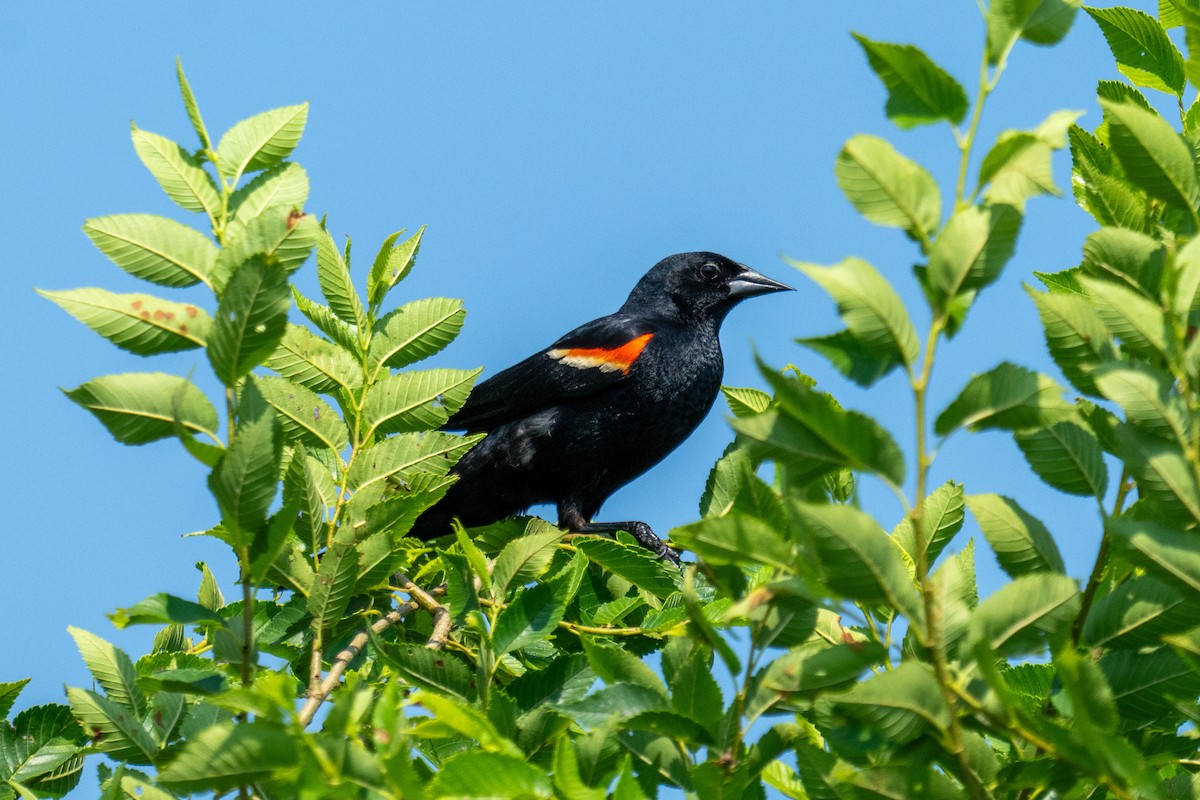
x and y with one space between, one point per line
583 417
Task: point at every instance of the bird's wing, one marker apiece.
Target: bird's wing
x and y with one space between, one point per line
587 360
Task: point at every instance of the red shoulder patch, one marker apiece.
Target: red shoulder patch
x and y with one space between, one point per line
605 359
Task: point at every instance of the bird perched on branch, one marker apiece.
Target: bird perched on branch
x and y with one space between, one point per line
578 420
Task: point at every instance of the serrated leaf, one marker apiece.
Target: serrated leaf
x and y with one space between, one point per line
392 264
416 400
281 234
140 407
1021 542
1023 614
531 617
335 579
1149 686
1139 613
261 141
1144 52
112 668
415 331
314 363
1164 478
850 357
524 559
477 774
817 666
745 401
869 306
1166 553
1067 456
735 539
140 323
1006 397
1050 21
613 664
942 517
971 250
166 609
304 415
900 703
189 103
635 564
724 481
694 690
1139 323
405 453
246 479
336 284
1132 259
1153 155
1075 335
251 319
114 730
178 172
225 755
854 557
284 185
8 695
1006 21
919 91
154 248
1145 395
435 671
887 188
320 315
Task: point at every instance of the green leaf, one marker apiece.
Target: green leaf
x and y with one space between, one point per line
855 558
1067 456
888 188
1166 553
724 481
245 480
835 436
1050 21
166 609
392 264
1163 475
1006 21
694 691
1141 611
524 559
320 315
139 323
613 664
919 91
1129 316
408 453
153 248
281 234
336 576
189 103
1099 185
112 668
1021 542
1145 395
1019 617
869 306
227 755
187 680
1018 166
304 415
531 617
1143 51
334 276
735 539
312 362
140 407
817 666
261 141
942 517
113 729
1132 259
1007 397
900 704
435 671
1150 687
416 400
744 401
284 186
956 593
1075 335
635 564
251 320
8 695
850 357
971 250
1154 156
178 172
415 331
478 774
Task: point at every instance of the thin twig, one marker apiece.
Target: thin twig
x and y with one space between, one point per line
323 688
427 602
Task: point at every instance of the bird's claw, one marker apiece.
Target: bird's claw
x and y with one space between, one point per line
648 539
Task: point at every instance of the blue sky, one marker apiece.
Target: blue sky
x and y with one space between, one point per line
555 151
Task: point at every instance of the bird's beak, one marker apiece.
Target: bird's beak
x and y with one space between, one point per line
751 283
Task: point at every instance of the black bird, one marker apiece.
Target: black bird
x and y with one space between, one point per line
580 419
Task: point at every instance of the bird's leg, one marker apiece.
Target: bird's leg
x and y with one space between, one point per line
573 521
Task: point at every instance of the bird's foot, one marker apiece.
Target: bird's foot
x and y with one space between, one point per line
640 531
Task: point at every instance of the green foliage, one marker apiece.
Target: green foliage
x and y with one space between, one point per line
507 661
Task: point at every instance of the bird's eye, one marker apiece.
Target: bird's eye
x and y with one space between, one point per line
710 272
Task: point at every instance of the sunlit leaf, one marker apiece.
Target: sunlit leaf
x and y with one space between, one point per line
226 755
261 141
251 318
1023 614
415 331
139 323
153 248
141 407
1021 542
284 185
919 91
303 414
1143 51
178 172
1067 456
901 703
971 250
416 400
888 188
1007 397
1154 156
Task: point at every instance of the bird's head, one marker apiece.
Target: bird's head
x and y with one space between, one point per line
698 285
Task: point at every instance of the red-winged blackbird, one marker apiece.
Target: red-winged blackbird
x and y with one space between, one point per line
578 420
